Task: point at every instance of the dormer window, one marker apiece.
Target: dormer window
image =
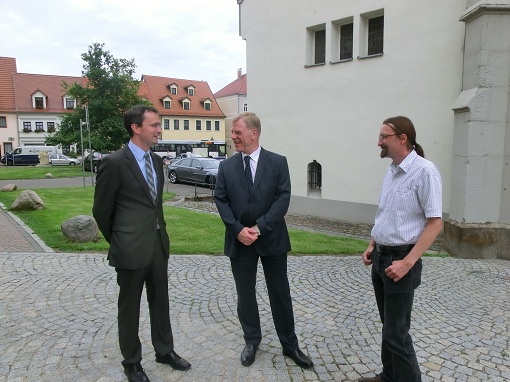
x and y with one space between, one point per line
39 102
70 103
191 90
207 104
186 104
167 102
172 88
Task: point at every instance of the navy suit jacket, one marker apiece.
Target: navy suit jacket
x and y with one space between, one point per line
266 206
125 213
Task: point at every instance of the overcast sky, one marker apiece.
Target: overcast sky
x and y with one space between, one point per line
190 39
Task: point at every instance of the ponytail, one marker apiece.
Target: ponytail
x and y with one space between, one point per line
419 150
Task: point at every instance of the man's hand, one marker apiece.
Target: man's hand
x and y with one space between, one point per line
247 236
365 256
398 269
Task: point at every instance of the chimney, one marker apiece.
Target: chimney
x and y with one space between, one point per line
239 73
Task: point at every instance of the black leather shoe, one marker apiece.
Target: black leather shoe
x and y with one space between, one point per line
248 354
135 373
173 360
300 358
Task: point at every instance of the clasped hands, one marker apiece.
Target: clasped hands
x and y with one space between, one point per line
248 235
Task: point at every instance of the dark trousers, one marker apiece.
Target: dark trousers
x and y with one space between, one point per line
395 303
244 269
155 278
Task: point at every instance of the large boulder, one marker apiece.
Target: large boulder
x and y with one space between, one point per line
9 188
27 200
81 228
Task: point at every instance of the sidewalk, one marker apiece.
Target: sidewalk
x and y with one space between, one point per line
58 318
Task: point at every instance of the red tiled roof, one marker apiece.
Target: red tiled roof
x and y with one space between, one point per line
51 86
7 69
236 87
156 88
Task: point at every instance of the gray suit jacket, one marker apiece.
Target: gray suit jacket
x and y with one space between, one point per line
124 210
266 206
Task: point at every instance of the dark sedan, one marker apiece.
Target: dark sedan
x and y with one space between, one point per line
194 170
96 160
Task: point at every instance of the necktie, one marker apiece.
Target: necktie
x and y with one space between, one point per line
150 177
247 173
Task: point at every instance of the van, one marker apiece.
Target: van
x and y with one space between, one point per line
26 155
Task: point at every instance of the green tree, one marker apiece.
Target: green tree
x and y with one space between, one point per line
108 89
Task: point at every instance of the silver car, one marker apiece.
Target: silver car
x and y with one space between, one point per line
201 171
62 160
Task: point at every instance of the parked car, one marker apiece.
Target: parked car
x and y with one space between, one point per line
185 155
194 170
96 160
62 160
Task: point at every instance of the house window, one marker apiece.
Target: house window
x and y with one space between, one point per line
27 127
166 104
39 126
208 125
320 47
185 105
166 124
245 106
316 45
186 124
375 35
314 176
39 103
207 106
173 90
198 125
217 125
191 91
176 124
3 122
51 127
70 103
346 34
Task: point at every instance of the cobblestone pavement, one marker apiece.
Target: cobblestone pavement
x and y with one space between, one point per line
58 320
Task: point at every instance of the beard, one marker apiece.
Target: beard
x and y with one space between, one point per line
384 152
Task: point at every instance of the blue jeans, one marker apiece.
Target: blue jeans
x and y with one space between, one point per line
395 303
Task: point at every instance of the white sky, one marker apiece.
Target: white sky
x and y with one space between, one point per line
188 39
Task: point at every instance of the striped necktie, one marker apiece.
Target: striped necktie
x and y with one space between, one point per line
247 173
150 177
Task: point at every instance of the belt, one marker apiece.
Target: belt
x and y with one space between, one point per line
388 249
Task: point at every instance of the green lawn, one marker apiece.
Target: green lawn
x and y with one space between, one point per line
39 172
191 232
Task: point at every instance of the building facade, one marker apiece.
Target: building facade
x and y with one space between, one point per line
188 108
232 99
338 68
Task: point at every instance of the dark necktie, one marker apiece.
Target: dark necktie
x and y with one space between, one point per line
150 177
247 173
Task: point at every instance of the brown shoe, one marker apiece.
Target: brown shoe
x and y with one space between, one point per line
373 379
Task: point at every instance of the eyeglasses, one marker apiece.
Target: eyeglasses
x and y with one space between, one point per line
382 137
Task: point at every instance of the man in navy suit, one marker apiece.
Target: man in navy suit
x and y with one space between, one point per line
252 195
129 212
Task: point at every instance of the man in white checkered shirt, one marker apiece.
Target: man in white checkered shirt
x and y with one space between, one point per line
408 220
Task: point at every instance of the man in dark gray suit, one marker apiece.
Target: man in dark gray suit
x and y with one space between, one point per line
253 194
129 212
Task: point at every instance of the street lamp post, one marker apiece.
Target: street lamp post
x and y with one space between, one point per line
82 153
